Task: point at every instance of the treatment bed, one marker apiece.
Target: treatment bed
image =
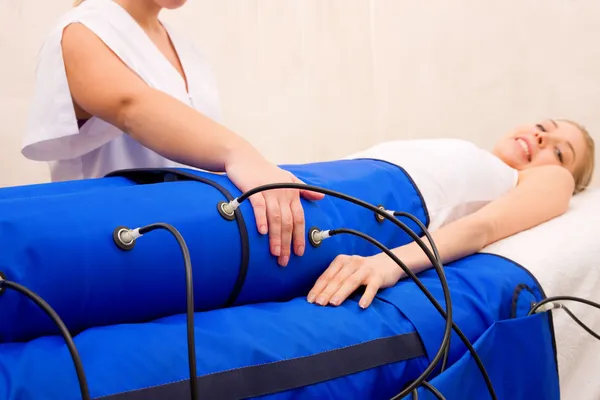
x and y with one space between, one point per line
563 254
255 333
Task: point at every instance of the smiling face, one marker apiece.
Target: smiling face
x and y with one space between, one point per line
548 142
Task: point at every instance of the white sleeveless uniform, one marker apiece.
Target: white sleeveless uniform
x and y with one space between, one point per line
97 148
455 177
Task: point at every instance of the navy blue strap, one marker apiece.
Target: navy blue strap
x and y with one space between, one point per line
259 380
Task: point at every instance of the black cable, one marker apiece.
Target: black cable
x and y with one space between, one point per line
429 387
145 176
83 386
432 258
401 225
559 298
436 254
569 313
438 395
447 331
189 288
465 340
580 323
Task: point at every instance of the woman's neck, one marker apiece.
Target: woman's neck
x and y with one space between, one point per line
145 12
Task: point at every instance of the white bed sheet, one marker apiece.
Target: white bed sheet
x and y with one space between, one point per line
563 255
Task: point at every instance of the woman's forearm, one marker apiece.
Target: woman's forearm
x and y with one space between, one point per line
182 134
453 241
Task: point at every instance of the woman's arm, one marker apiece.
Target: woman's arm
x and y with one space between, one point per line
542 193
102 86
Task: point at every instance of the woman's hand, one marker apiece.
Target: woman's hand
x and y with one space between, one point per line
347 273
277 211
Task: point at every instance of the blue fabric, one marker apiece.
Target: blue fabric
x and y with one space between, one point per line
518 356
473 279
59 244
16 193
146 357
517 351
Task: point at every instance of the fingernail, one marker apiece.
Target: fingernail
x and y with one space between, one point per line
335 301
277 250
263 229
311 298
301 250
362 305
284 261
321 301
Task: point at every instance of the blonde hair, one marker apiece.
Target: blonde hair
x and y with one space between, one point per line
77 2
585 171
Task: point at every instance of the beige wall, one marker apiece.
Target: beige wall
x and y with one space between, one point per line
315 79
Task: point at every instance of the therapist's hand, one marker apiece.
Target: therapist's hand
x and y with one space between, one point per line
278 212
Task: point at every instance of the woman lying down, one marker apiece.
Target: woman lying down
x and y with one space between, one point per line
94 112
474 198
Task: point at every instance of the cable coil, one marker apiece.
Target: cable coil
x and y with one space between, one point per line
125 239
228 208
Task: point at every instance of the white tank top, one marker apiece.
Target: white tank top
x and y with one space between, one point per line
455 177
53 134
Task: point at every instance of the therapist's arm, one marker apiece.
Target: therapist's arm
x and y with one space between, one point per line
103 86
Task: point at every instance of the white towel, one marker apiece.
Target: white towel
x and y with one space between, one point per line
564 255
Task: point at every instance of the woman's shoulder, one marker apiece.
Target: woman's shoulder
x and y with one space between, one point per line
549 186
555 175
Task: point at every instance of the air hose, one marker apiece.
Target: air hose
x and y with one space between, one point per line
227 210
83 386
